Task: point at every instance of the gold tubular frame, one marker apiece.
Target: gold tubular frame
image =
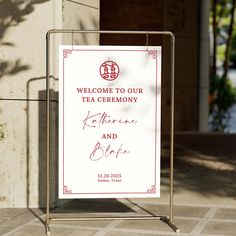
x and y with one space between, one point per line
167 219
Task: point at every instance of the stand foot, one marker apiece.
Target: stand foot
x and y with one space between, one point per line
48 233
171 224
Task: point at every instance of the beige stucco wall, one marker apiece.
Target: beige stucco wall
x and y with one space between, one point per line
83 15
22 92
22 69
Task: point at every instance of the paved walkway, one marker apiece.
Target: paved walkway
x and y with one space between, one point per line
191 219
205 198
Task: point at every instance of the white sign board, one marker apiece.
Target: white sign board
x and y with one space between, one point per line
109 121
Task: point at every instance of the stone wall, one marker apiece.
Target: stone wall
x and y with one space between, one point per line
22 76
22 92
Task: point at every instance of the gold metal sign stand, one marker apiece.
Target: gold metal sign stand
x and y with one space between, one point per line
167 219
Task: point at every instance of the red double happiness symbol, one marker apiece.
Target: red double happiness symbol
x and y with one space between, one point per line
109 70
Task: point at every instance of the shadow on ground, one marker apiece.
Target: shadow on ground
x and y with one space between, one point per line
204 163
93 205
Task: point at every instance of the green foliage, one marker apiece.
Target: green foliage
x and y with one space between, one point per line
233 49
223 96
222 93
226 95
221 52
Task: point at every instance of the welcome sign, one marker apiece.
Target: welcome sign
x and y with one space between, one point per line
109 121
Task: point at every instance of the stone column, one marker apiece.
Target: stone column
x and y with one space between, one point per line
204 66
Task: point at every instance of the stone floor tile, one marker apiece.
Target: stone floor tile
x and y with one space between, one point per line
5 229
190 211
34 230
126 234
178 210
98 223
185 226
11 218
218 228
229 214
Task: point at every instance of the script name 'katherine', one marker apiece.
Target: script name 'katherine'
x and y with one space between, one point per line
100 119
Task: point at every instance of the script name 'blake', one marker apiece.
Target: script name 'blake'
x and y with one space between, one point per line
100 119
100 151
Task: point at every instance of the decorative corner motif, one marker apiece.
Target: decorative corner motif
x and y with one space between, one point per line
152 190
66 190
66 52
153 53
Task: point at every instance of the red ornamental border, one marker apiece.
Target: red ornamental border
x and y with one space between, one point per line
66 189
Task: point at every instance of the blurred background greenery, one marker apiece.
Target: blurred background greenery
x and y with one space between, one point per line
222 94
